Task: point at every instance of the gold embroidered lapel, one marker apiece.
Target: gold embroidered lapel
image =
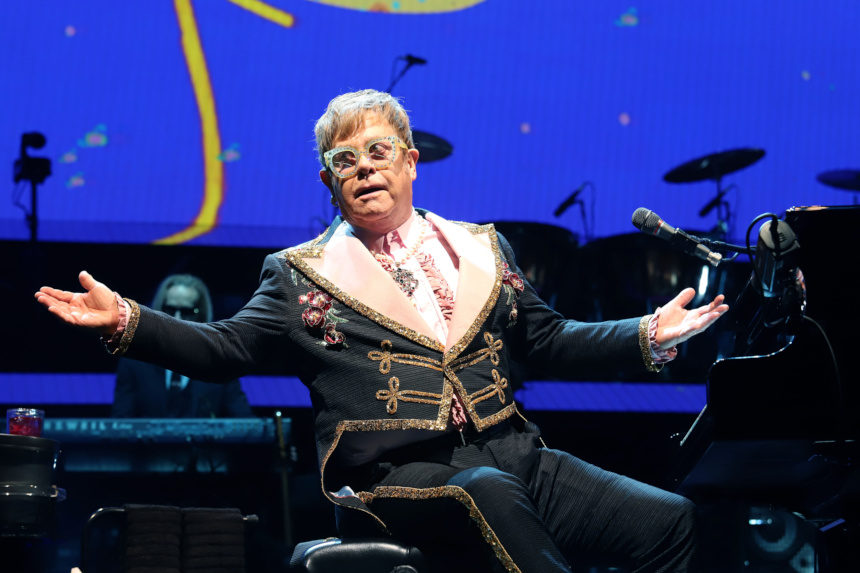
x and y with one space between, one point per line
479 284
345 269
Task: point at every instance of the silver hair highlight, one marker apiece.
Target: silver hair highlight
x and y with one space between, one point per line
345 115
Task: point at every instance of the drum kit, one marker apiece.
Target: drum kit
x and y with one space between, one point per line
631 274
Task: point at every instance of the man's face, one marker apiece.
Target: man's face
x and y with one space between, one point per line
376 200
182 302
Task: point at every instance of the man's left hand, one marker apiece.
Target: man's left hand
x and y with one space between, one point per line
677 324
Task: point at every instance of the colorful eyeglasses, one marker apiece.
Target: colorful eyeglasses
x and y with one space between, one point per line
343 161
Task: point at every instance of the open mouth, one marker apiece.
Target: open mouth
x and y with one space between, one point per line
368 191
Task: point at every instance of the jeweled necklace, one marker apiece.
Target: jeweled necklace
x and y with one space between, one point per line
404 278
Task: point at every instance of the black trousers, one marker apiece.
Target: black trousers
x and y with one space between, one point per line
549 510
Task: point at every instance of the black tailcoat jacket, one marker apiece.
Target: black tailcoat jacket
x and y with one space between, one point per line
378 376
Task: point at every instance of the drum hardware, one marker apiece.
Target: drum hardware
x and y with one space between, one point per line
844 179
430 147
573 199
714 167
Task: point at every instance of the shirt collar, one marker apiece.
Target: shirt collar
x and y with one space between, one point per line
382 243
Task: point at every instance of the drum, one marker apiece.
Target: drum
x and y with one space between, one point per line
28 495
546 255
632 274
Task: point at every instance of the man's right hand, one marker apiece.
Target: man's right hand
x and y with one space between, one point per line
95 309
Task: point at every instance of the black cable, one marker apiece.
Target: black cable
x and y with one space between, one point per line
774 218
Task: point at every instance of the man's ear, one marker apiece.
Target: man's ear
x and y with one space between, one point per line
325 177
413 153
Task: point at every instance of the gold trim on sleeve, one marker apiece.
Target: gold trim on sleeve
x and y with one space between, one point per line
130 328
645 345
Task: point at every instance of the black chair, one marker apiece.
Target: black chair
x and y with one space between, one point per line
359 555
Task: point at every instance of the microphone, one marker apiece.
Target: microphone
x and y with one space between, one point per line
776 257
650 222
571 199
414 60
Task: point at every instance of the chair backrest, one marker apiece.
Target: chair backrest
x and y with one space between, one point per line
173 539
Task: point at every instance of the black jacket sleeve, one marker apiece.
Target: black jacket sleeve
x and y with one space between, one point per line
254 340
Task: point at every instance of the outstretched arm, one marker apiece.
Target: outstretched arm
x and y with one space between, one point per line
95 309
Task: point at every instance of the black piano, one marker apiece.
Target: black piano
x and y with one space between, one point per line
774 449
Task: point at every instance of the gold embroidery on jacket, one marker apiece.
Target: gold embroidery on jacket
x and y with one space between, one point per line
295 257
460 495
481 319
491 352
480 423
394 393
497 387
386 357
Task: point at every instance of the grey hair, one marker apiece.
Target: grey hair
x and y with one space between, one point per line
345 114
204 303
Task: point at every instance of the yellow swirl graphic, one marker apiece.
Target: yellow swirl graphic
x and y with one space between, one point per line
403 6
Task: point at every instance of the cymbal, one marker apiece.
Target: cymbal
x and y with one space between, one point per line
430 147
848 179
714 166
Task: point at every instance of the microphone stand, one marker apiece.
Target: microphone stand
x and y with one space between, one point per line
409 64
723 212
584 220
566 204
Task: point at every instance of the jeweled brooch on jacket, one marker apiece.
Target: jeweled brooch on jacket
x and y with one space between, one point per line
513 286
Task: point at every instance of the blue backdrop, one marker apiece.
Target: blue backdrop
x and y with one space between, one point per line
192 121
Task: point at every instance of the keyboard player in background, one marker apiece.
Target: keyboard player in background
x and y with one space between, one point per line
144 390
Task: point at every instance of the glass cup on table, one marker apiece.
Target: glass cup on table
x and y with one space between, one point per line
25 421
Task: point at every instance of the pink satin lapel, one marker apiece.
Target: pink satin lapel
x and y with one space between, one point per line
477 275
349 265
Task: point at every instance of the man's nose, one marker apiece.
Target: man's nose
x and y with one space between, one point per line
365 165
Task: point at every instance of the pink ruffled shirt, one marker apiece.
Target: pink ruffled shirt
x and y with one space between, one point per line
396 244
